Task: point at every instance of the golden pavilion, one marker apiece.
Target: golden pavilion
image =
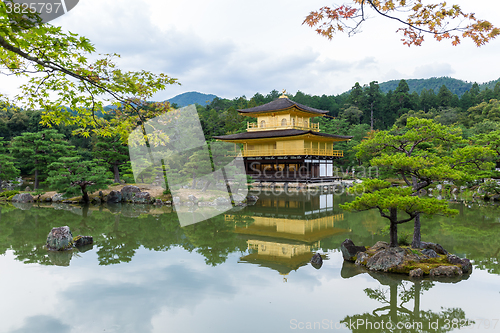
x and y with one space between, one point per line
284 145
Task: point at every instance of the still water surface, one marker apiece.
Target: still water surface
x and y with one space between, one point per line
243 271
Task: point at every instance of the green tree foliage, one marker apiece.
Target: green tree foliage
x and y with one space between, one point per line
485 111
72 176
61 75
113 152
37 150
444 97
424 152
351 115
392 201
7 168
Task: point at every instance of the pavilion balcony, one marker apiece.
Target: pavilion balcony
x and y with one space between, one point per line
292 152
301 125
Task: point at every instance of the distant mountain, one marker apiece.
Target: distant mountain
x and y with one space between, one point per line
454 85
192 97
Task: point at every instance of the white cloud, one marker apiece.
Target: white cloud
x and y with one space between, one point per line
433 70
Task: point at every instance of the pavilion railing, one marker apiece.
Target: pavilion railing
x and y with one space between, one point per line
303 125
288 152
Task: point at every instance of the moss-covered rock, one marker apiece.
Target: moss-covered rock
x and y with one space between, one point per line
433 260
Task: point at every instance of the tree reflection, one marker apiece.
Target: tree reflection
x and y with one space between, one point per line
400 310
215 239
118 233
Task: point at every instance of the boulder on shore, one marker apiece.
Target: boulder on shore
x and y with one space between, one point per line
23 198
447 271
349 250
58 197
433 246
128 192
114 197
142 198
465 263
386 259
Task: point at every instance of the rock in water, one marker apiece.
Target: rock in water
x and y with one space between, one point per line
60 239
416 273
83 240
349 250
446 271
464 263
317 261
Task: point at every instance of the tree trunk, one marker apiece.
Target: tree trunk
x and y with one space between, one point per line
85 195
116 172
393 227
193 186
36 180
416 233
416 225
371 116
206 186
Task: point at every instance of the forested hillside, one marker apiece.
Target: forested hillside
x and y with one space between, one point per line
27 148
191 97
457 87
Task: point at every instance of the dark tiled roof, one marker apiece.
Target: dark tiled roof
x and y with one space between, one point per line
281 104
276 134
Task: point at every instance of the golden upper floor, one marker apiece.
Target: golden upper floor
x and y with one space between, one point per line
282 113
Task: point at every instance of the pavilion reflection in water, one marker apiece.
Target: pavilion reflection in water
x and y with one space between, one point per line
287 230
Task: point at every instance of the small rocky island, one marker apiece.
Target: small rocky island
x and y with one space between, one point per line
61 239
431 260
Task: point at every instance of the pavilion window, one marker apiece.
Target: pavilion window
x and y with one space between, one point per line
263 123
283 122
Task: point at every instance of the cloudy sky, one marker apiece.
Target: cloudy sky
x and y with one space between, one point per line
239 47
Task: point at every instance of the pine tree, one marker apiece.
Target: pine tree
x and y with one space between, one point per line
72 176
7 168
38 150
422 153
113 152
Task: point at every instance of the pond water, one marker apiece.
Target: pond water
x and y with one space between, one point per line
245 270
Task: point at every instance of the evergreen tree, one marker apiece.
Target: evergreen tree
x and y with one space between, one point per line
496 91
444 97
428 100
113 152
373 100
7 168
356 95
72 176
37 150
419 153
